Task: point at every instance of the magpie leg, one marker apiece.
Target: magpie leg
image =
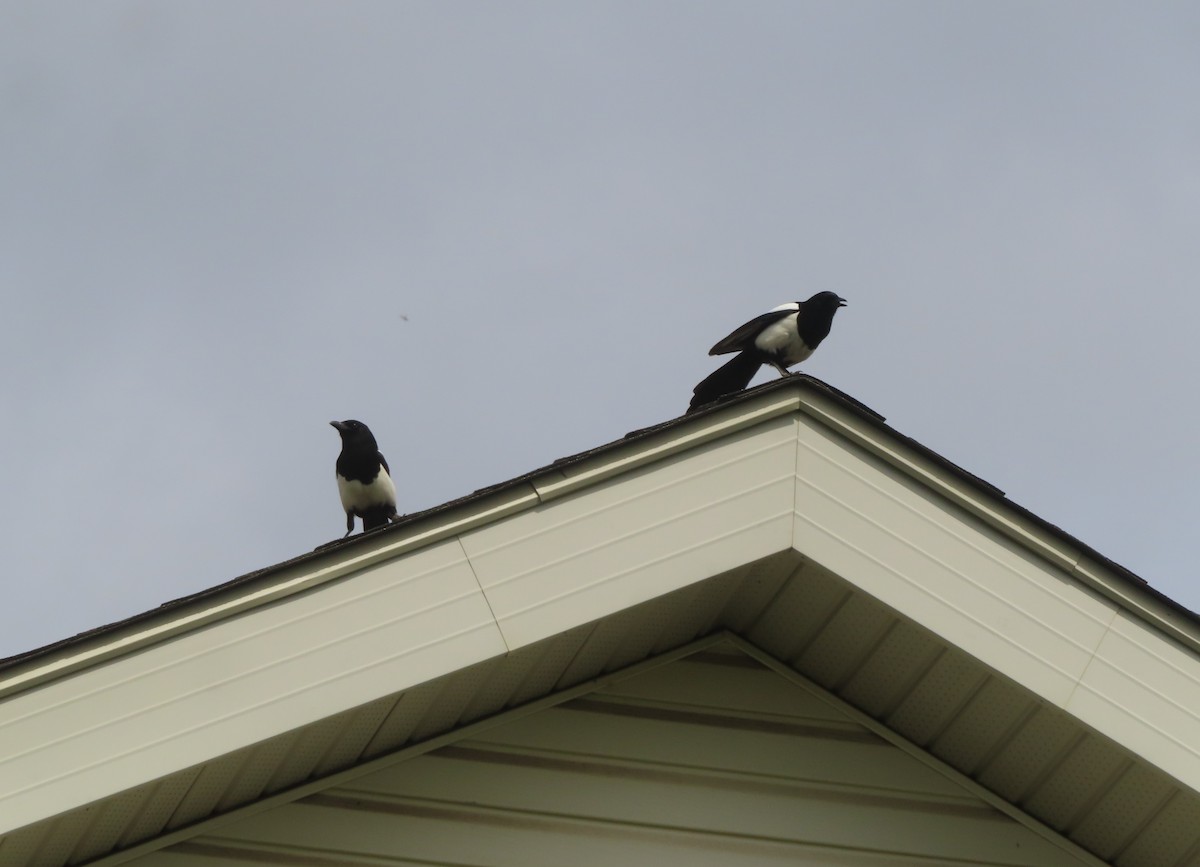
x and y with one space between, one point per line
783 371
349 524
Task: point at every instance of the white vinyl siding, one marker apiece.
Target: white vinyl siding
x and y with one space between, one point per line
638 535
1013 610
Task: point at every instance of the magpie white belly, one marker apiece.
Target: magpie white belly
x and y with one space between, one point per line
357 496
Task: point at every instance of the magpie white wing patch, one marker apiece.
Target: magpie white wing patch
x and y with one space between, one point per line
748 333
782 340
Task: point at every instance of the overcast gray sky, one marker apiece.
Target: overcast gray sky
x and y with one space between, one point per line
500 233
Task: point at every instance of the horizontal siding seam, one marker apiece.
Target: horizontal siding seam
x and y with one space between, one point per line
741 457
559 484
966 579
1116 633
1093 575
246 673
914 468
671 555
642 530
708 777
554 822
691 714
220 648
175 735
1067 676
949 531
183 624
1125 710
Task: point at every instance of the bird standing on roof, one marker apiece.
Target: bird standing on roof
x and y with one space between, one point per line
364 481
786 335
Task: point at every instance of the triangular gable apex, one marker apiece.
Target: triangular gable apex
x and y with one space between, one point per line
791 517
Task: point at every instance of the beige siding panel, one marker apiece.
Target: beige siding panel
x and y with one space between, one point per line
932 562
703 803
711 760
401 622
638 536
461 835
1139 690
799 751
703 681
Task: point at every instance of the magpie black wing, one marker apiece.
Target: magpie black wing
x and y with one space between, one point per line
743 337
383 461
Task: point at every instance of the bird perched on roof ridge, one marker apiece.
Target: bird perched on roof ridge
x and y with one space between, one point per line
786 335
364 480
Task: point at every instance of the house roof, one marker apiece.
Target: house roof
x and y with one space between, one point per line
864 413
791 518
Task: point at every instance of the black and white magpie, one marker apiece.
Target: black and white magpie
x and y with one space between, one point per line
364 481
786 335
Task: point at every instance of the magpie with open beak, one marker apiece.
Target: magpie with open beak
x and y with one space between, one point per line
786 335
364 481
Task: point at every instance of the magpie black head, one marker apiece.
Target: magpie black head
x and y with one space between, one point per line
816 317
355 433
825 301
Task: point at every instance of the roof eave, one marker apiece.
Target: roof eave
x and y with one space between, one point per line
816 399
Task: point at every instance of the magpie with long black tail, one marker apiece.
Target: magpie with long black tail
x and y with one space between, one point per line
786 335
364 480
